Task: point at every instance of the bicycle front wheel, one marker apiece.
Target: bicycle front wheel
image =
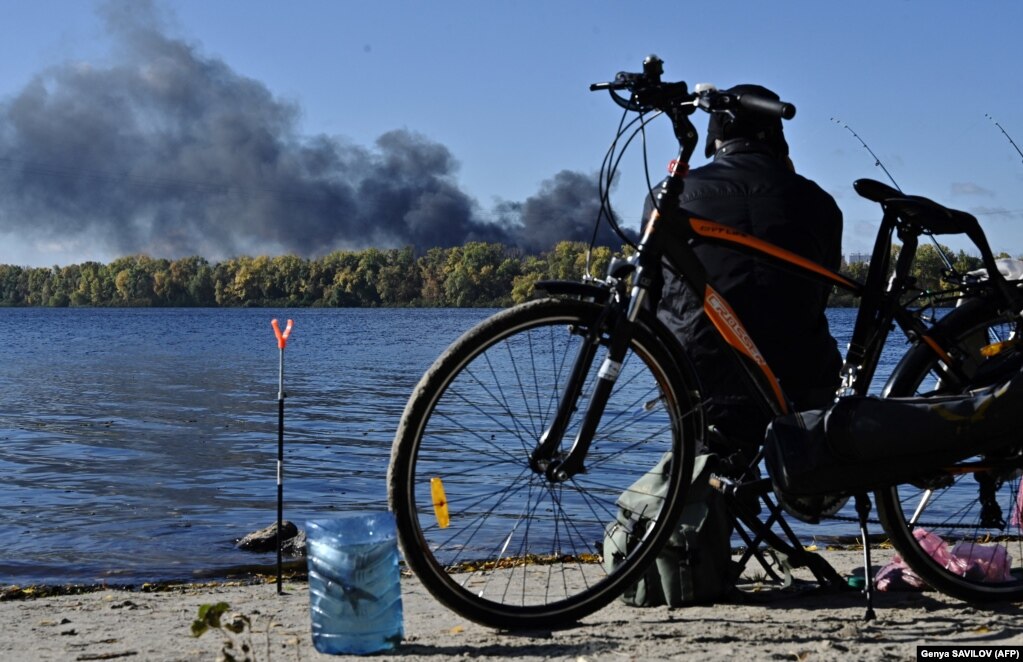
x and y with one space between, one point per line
972 507
493 538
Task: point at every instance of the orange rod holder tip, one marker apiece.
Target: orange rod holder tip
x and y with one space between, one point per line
282 338
440 502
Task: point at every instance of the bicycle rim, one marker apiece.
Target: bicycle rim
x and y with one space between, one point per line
521 551
974 507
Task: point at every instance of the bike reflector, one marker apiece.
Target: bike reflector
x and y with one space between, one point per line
997 348
440 502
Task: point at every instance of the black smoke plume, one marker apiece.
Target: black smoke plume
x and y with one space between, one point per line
170 152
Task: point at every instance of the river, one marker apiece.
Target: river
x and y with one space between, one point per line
139 444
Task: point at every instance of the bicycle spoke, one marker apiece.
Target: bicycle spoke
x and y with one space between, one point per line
503 400
499 453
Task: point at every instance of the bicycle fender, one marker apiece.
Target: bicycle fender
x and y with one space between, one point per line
574 288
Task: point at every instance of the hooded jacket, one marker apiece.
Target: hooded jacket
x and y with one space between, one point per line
752 189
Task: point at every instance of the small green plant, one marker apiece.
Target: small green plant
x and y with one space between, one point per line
237 631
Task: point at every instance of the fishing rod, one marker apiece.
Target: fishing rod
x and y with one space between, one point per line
1006 134
877 161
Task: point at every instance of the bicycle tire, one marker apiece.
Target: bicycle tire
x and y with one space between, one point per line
950 504
523 552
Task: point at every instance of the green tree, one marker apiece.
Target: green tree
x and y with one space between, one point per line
65 285
39 286
475 277
533 268
345 287
191 282
89 289
245 287
856 271
290 273
432 273
223 283
398 280
12 285
928 267
102 290
566 260
134 279
600 259
964 263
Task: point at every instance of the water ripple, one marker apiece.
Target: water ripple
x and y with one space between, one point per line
140 444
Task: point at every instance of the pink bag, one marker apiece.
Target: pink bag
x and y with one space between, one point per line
988 563
897 576
935 547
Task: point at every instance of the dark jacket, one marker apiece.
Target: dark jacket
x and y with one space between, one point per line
749 188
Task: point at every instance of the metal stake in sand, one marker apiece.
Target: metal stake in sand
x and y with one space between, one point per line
282 342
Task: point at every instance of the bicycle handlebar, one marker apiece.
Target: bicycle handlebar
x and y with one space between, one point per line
649 93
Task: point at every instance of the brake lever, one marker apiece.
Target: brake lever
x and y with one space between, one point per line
685 132
710 100
629 103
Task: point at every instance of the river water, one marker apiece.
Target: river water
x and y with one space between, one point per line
139 444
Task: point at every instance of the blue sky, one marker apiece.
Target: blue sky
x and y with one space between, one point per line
503 87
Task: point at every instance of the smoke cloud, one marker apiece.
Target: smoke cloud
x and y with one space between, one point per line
170 152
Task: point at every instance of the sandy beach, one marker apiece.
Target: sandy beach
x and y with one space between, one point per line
798 623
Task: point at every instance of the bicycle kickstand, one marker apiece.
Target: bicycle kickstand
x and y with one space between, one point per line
862 510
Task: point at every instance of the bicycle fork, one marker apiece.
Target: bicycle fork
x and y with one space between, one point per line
546 458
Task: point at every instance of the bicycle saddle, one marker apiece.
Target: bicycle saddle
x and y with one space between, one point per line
918 210
871 189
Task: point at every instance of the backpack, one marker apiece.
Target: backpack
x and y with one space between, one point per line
695 566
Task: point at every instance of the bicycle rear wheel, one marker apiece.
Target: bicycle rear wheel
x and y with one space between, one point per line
522 550
973 506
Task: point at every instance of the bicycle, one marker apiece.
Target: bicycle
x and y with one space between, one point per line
516 443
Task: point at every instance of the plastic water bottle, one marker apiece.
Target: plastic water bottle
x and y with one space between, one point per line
354 584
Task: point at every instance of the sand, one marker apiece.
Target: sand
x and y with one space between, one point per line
770 624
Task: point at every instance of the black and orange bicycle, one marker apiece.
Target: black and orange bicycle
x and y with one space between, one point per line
517 442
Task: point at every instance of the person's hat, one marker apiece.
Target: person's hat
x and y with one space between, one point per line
747 124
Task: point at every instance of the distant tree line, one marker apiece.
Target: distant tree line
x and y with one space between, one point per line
475 274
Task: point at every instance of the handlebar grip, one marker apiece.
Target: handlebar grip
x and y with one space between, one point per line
767 106
605 86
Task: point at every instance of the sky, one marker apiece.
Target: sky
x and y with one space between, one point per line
229 127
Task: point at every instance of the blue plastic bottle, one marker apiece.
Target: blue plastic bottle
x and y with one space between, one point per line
354 584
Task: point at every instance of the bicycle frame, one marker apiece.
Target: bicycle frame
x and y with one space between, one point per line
669 234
